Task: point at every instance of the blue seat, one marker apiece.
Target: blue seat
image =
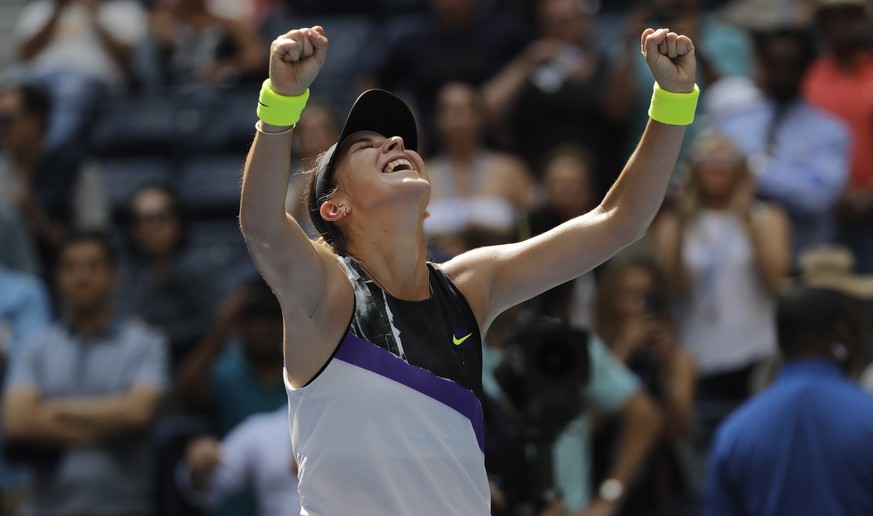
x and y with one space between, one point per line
216 233
609 29
222 244
210 185
228 123
392 32
399 26
135 125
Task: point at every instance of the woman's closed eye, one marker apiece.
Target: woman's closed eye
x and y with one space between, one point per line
362 143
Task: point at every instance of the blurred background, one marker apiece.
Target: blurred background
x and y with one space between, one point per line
142 353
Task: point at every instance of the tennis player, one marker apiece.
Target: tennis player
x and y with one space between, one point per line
382 348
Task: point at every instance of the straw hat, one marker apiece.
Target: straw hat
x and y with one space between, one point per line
833 267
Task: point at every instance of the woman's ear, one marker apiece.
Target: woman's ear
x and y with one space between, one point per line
333 212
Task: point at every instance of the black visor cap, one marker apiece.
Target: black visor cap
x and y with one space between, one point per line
378 111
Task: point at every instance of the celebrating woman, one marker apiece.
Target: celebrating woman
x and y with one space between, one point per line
382 348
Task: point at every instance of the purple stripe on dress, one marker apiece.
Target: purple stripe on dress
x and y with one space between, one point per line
371 357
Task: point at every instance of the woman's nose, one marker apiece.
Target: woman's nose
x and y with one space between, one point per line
393 143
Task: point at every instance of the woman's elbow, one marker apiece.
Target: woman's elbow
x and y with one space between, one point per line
623 228
251 228
628 232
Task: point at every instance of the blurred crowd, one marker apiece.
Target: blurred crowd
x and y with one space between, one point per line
141 353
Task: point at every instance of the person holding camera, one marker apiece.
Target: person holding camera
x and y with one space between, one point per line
632 317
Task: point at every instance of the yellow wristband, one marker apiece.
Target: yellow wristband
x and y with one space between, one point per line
673 108
280 110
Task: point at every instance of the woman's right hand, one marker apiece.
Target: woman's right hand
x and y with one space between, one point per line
295 60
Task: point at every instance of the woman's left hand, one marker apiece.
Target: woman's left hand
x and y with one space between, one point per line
670 57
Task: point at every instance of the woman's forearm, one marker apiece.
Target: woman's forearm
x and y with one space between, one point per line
265 184
634 199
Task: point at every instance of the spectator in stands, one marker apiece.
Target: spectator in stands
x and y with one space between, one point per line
799 155
608 389
80 396
612 390
568 177
460 42
633 319
236 371
553 93
197 47
841 83
472 187
167 283
234 382
50 188
256 453
801 447
724 255
80 51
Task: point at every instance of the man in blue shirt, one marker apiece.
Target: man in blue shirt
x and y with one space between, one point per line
82 394
803 447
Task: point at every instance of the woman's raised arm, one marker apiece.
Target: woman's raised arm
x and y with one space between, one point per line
496 278
305 276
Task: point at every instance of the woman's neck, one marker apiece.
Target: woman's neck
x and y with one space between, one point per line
398 264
